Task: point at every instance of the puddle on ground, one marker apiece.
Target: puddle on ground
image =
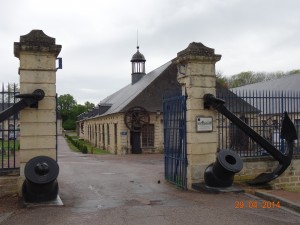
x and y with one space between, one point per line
95 205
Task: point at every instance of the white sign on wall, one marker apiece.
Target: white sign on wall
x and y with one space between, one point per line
204 124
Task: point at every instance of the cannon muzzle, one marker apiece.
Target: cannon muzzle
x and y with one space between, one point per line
222 171
41 180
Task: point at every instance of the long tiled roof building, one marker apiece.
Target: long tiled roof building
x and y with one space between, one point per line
108 125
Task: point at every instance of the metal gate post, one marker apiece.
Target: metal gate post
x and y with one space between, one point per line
196 74
37 53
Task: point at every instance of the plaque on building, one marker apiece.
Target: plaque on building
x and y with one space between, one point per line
123 133
204 124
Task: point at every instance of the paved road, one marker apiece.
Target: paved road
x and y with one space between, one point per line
124 190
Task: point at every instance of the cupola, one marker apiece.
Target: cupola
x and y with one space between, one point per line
138 66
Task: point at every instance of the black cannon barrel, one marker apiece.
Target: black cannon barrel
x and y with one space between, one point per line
222 171
40 185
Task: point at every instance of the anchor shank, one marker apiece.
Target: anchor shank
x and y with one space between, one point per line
28 100
218 104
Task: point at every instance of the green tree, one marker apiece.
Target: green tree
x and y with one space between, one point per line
88 105
292 72
78 109
222 80
69 110
250 77
66 104
242 78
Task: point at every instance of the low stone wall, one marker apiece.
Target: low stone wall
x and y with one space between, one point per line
8 185
290 179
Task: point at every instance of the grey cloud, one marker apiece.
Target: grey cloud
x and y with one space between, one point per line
98 40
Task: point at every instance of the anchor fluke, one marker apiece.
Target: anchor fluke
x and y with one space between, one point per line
288 130
289 133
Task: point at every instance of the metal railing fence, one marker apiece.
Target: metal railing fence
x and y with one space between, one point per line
9 130
263 111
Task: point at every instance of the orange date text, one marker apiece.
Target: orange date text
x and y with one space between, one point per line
253 204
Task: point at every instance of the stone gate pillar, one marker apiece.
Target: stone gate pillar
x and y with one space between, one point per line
196 74
37 53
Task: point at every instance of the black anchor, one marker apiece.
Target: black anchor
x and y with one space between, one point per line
288 132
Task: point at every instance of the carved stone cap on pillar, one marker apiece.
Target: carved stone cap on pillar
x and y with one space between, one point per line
36 41
197 50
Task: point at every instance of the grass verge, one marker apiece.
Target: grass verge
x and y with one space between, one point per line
78 145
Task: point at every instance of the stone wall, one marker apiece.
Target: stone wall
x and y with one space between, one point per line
290 179
8 185
95 129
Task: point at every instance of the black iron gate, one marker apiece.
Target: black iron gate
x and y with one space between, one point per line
174 111
9 131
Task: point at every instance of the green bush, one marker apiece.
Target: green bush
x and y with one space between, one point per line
83 146
85 150
78 144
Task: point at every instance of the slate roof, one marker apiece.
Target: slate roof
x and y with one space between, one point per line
233 102
121 98
139 93
274 96
287 83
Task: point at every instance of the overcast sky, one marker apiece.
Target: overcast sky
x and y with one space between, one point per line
98 37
